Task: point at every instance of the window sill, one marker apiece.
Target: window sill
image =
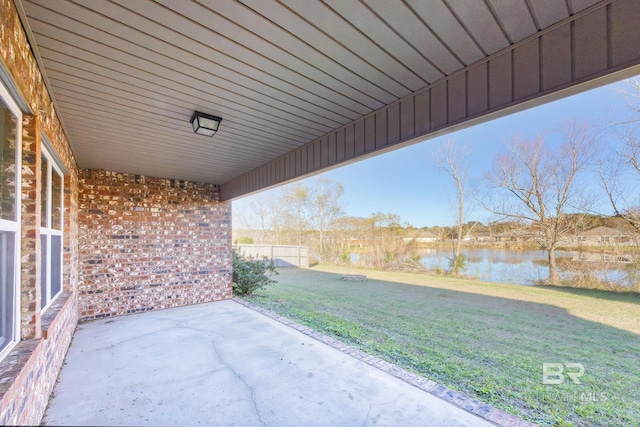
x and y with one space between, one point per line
14 363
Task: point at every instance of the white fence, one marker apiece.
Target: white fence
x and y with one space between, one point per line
281 255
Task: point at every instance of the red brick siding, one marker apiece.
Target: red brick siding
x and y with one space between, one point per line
146 243
33 366
30 237
16 56
150 243
28 373
70 270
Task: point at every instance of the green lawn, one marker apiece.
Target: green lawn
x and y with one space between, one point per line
484 339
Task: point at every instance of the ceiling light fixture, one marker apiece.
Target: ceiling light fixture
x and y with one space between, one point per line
205 124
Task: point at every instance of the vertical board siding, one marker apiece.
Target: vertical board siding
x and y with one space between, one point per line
393 123
298 162
370 134
590 44
291 160
340 145
381 128
349 142
332 149
324 152
625 36
477 89
273 172
526 70
359 137
439 106
304 154
407 118
422 112
317 149
280 169
457 98
556 58
500 84
583 48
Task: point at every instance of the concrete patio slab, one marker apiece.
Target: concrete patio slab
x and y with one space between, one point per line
225 364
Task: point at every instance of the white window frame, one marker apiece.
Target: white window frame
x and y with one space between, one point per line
48 230
14 226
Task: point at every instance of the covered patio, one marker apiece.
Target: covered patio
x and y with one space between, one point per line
225 364
115 201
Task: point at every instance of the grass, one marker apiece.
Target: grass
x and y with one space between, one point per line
484 339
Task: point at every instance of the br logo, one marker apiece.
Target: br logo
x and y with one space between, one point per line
554 373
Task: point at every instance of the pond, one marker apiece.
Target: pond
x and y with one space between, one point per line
510 266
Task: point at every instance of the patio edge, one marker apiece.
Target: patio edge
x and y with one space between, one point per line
460 400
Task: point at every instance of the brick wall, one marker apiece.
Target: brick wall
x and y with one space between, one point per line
34 364
30 236
146 243
28 373
150 243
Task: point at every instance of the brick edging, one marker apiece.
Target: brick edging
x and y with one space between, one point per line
460 400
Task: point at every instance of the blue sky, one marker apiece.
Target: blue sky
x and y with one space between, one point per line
407 183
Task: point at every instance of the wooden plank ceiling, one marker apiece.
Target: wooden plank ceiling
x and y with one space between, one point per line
127 75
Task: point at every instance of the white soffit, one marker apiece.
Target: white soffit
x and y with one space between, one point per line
127 75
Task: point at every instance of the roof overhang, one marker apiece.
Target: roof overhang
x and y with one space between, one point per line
305 86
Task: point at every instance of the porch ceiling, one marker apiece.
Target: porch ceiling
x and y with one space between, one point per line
127 75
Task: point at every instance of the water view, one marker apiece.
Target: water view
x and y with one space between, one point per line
520 267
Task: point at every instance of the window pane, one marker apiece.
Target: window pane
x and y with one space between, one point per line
7 164
43 191
6 288
56 265
43 270
56 201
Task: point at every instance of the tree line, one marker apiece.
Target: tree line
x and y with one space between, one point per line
312 214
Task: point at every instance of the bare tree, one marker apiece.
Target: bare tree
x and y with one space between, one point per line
452 161
620 169
326 208
348 232
259 216
440 232
296 213
537 184
262 210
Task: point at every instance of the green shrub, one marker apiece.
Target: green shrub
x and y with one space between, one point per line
459 265
249 274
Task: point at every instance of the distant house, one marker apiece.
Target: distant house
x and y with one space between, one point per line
507 236
601 236
423 237
603 257
481 237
